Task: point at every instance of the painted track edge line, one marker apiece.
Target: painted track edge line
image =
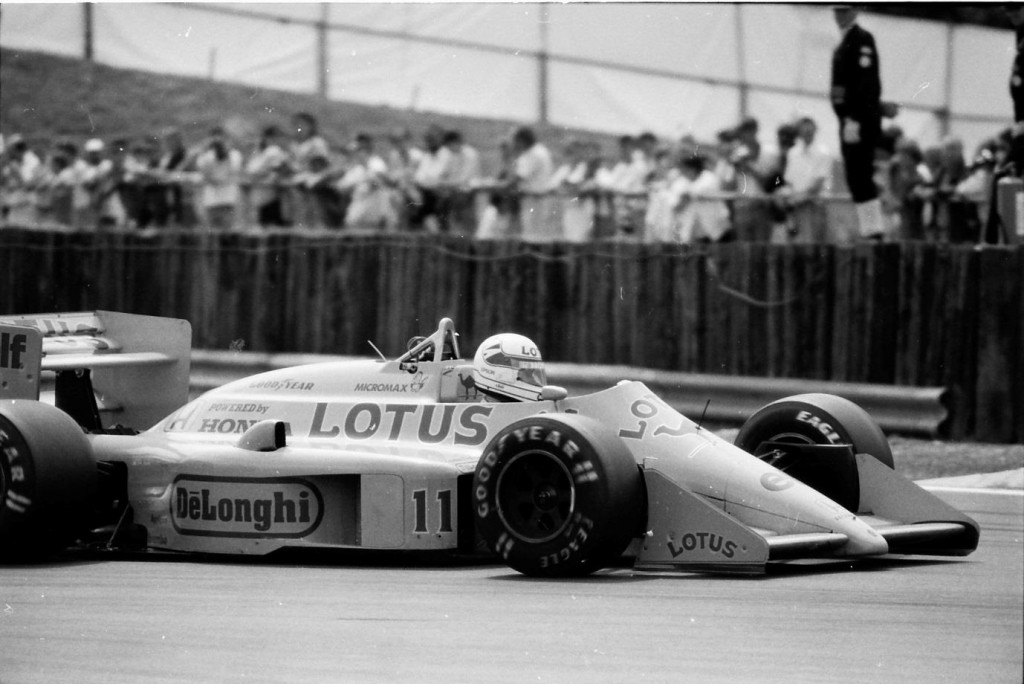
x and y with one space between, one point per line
974 490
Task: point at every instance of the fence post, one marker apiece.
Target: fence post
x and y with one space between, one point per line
542 67
741 63
87 51
321 51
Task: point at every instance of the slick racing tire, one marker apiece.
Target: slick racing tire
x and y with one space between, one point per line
48 480
823 419
558 496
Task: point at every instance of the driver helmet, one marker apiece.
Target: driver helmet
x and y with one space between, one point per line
509 367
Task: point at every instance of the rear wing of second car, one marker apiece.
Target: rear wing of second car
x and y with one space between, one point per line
102 367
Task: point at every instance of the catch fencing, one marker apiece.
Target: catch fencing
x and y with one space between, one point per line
671 68
902 314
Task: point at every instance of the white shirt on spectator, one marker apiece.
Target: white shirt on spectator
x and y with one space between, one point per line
461 168
311 148
261 169
701 215
370 206
431 167
977 188
87 179
220 178
20 179
627 176
636 173
808 168
577 212
535 170
660 219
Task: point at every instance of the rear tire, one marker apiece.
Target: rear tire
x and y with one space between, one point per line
48 480
558 496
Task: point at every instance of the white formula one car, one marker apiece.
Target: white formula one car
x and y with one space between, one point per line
406 455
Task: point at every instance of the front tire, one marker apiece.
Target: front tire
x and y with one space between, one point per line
48 480
823 419
558 496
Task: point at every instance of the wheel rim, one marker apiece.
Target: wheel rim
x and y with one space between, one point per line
535 496
784 437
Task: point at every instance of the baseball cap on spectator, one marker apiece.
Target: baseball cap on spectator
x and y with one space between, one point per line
94 145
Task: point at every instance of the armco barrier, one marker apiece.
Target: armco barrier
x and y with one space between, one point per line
729 400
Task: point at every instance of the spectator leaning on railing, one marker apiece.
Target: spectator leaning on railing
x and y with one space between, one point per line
54 195
974 192
500 213
908 178
169 200
427 178
751 212
220 168
460 174
266 170
93 202
574 181
402 159
660 217
805 178
702 216
534 170
365 184
22 172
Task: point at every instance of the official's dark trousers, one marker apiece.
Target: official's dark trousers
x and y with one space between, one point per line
859 163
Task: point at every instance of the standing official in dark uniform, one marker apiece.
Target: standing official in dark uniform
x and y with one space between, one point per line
857 100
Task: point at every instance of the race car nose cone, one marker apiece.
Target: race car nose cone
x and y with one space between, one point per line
864 541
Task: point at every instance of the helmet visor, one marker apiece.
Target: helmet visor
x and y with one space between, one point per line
532 373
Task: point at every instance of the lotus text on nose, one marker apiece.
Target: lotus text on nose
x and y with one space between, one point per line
694 541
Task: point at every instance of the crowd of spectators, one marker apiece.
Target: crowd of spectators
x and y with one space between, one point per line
648 189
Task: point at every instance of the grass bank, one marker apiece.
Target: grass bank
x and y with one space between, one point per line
46 97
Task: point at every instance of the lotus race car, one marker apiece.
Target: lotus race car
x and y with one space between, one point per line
99 445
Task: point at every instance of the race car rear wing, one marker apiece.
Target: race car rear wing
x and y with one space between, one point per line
134 369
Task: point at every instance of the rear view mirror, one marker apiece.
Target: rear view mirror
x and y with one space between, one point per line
553 393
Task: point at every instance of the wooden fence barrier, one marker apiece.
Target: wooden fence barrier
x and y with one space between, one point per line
915 314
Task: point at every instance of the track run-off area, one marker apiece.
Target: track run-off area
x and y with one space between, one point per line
172 620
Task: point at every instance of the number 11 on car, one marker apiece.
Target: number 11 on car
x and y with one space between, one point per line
444 511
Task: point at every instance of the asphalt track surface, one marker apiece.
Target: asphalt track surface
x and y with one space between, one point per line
885 620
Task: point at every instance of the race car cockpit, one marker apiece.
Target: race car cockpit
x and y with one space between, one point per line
459 377
441 345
